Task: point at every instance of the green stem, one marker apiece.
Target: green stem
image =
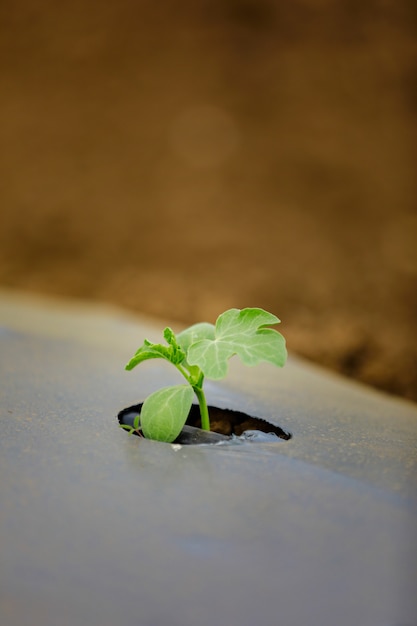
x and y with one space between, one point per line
198 390
184 372
205 421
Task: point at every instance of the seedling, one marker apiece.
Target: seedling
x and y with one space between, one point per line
133 429
203 351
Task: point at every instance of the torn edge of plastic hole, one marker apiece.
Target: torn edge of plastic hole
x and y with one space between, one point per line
225 424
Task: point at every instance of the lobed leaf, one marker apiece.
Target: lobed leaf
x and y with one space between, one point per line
240 332
165 412
194 333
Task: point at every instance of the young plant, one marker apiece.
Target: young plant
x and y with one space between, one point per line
203 351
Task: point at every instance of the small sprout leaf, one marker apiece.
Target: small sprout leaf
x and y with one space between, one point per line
130 429
165 412
172 352
240 332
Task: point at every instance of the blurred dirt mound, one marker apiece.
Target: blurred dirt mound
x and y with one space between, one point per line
183 158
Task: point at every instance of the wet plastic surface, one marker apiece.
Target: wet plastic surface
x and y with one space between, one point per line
100 528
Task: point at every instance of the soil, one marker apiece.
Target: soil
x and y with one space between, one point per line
179 159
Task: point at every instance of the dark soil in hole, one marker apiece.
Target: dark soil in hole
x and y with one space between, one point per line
228 422
223 421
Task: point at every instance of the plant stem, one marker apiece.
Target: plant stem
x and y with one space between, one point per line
205 421
198 390
184 372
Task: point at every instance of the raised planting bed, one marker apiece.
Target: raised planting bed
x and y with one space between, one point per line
97 527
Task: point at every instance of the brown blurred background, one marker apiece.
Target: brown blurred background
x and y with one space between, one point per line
181 158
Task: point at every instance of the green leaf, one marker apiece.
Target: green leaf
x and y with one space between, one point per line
172 352
194 333
127 427
165 412
187 337
240 332
132 429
